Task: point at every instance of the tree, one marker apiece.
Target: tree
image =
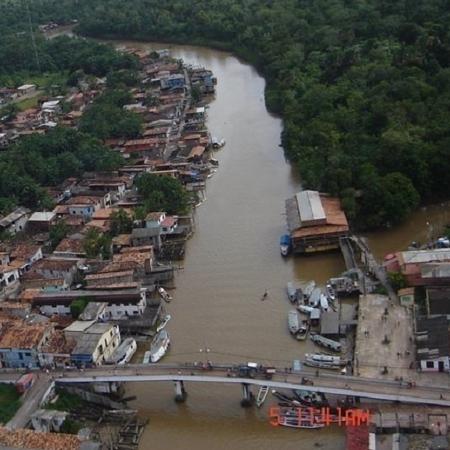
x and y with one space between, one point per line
121 222
58 232
77 306
96 244
162 194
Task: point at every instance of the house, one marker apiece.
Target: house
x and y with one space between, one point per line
20 344
4 258
107 279
196 153
15 221
15 309
26 255
420 267
315 222
432 344
95 311
41 221
95 344
438 301
121 303
406 296
174 81
147 236
51 107
9 275
71 247
116 188
51 268
169 225
57 350
26 89
34 280
84 206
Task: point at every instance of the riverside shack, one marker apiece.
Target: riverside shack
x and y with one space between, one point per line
315 222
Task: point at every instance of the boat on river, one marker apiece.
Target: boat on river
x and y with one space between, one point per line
285 244
291 292
314 298
164 294
217 143
323 302
163 323
262 395
124 352
158 347
293 322
310 398
326 343
302 333
295 417
308 289
323 361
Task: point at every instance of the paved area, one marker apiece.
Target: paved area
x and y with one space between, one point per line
384 339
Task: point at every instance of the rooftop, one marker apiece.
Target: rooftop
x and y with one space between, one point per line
425 256
23 336
44 216
432 337
25 251
310 206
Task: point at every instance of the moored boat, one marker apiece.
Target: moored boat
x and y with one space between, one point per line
295 417
322 361
163 323
124 352
285 244
159 346
323 302
305 309
302 333
164 294
308 289
262 394
326 343
291 292
314 298
293 322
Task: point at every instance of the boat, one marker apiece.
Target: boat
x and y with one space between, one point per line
262 394
294 325
331 293
305 309
295 417
163 323
285 244
308 289
323 302
123 353
310 398
164 294
291 292
217 143
326 343
314 298
285 399
302 333
322 361
214 162
159 346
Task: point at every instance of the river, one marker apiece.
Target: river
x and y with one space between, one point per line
230 261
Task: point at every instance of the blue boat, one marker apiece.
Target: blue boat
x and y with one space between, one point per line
285 244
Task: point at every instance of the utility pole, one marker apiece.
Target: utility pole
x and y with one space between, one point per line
33 41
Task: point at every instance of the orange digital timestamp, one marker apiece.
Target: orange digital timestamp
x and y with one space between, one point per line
310 417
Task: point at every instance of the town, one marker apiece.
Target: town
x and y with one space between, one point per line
89 259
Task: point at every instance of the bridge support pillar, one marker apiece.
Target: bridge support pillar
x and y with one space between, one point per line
180 392
247 396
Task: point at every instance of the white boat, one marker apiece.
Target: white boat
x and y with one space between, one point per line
159 346
293 323
163 323
291 292
302 332
331 293
262 394
314 298
164 294
124 352
323 302
217 143
305 309
323 361
308 289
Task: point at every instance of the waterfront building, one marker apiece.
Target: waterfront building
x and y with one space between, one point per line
315 221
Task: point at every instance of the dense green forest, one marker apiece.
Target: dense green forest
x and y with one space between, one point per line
363 85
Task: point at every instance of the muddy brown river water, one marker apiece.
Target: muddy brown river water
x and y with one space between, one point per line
231 260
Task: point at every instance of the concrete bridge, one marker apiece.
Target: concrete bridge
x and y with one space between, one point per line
180 374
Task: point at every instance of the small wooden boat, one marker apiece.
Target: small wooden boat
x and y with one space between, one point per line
326 343
293 323
285 244
163 323
291 292
164 295
262 394
303 330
